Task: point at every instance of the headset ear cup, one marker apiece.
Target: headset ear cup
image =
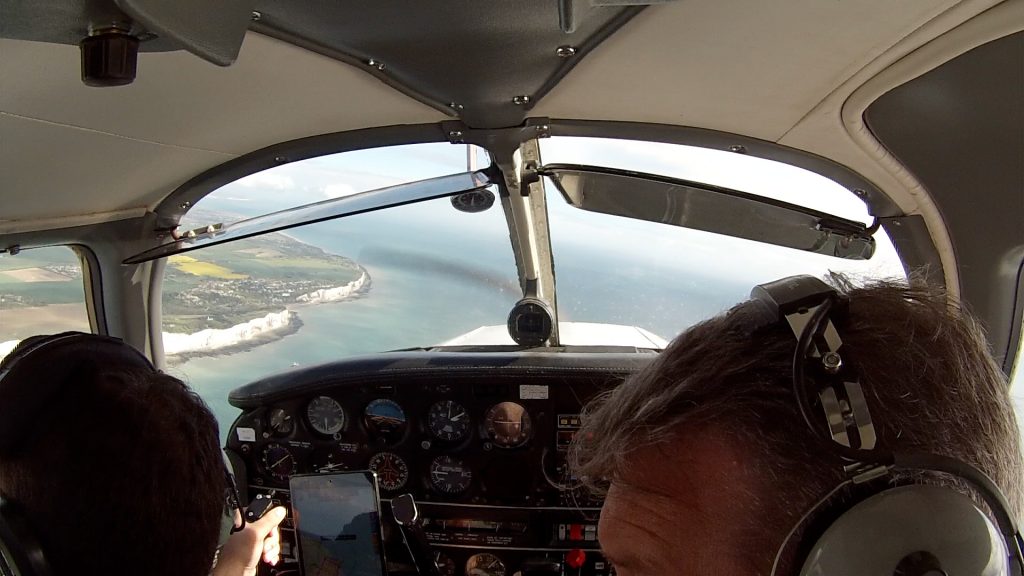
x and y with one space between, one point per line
905 526
20 552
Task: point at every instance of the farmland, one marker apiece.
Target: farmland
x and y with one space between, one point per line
224 285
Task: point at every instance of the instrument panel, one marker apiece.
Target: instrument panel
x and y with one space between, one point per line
479 440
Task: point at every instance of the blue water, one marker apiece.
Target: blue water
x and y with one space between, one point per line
438 273
431 284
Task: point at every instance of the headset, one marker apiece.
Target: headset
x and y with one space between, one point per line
31 376
901 530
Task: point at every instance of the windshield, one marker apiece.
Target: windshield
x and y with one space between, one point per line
409 276
665 278
443 270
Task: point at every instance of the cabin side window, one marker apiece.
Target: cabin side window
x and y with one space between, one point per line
41 292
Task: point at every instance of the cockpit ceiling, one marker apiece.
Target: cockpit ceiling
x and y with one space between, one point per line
761 70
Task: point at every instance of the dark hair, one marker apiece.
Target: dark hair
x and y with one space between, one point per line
125 478
930 382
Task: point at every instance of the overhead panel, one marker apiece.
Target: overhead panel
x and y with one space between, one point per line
68 21
745 66
486 62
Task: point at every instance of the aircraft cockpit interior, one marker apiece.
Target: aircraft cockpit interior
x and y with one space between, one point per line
401 247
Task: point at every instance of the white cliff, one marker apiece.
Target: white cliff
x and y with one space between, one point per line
334 294
268 327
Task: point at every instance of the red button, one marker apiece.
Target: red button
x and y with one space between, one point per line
576 532
575 558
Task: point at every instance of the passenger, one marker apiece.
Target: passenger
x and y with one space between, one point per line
116 467
707 463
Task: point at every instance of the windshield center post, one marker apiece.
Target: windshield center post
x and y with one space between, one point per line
526 212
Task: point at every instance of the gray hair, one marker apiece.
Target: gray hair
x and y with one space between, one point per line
931 383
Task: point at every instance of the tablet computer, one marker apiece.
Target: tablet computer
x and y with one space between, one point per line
337 524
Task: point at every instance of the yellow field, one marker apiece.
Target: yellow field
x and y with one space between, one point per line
195 267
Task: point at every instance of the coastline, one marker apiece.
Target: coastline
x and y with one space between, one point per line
180 347
326 295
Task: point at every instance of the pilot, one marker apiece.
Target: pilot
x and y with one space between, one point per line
111 467
709 468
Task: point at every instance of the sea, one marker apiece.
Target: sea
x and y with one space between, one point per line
432 283
437 273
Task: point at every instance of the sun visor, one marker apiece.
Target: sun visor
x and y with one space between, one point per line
341 207
710 209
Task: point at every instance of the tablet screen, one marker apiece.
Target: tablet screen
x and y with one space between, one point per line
337 521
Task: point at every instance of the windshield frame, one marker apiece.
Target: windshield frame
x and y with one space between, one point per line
907 232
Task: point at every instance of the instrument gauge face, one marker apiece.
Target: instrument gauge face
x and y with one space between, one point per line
485 565
329 461
280 422
392 471
325 415
445 565
508 425
448 420
277 461
449 475
385 418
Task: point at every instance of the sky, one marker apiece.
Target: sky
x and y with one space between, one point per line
651 246
353 172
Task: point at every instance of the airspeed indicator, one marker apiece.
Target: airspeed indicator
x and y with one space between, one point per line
325 415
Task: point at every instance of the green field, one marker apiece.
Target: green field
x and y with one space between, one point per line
214 287
228 284
58 264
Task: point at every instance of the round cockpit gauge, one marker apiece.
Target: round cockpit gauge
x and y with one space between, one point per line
445 565
328 461
448 420
325 415
280 422
485 565
277 461
449 475
385 418
508 425
392 472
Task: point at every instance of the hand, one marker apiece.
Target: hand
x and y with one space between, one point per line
242 552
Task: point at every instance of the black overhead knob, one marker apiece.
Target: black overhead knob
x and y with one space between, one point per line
109 58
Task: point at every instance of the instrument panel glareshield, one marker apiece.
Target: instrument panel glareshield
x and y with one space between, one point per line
484 452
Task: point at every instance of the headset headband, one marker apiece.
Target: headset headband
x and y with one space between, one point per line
805 304
30 380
